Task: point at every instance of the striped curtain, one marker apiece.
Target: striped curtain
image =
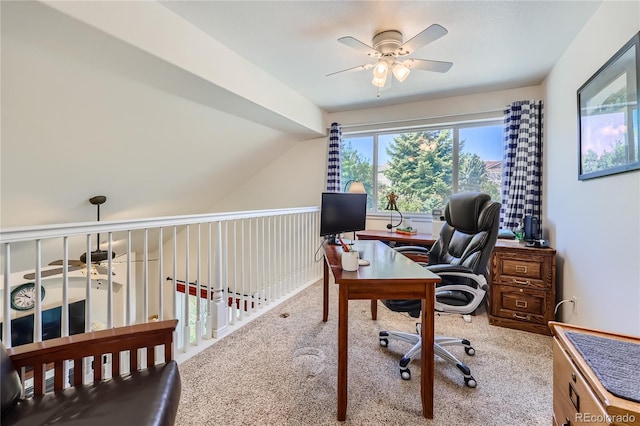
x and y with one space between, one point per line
522 168
333 160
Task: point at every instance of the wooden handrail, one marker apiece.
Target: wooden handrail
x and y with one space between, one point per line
93 344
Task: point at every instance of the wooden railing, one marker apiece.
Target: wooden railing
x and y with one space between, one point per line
50 357
211 272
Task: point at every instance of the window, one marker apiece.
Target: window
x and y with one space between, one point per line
423 167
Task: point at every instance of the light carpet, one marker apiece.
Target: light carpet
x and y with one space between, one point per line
281 369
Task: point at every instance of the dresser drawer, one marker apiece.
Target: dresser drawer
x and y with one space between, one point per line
519 304
522 287
522 268
534 271
573 399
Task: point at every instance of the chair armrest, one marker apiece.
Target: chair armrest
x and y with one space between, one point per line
478 292
93 344
448 268
418 254
412 249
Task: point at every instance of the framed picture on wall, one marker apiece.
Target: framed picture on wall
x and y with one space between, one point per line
608 116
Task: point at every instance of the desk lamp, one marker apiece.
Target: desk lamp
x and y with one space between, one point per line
354 186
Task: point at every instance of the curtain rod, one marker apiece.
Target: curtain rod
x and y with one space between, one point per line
384 123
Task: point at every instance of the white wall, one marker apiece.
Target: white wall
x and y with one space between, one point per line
294 179
458 108
85 114
298 177
594 224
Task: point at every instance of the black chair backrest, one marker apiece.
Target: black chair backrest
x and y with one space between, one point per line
470 232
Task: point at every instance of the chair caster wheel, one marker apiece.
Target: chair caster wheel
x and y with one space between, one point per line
384 342
470 351
405 374
470 382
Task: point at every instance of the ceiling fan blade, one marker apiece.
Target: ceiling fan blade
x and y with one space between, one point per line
359 46
50 272
427 36
358 68
428 65
70 263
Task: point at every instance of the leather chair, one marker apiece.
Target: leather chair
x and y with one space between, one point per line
148 395
461 258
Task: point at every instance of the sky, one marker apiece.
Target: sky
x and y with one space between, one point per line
486 141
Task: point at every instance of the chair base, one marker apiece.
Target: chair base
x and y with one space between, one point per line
438 348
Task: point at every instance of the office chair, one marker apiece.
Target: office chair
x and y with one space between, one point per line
461 258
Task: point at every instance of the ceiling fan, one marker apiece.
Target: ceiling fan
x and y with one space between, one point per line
95 258
388 49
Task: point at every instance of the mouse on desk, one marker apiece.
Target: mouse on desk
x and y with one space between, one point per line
363 262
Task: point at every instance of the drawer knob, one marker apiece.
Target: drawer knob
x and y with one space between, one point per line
573 376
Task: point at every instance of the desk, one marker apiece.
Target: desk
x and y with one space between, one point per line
406 239
390 275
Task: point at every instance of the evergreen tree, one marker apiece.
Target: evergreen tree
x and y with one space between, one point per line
420 169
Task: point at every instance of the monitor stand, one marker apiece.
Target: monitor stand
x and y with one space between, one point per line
332 239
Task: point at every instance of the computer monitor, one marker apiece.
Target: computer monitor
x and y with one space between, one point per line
342 212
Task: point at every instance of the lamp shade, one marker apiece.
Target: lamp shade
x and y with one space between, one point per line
400 71
379 82
357 187
381 69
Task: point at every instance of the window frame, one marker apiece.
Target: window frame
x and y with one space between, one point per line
454 126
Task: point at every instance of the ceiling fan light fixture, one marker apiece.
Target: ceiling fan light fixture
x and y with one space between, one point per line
379 82
380 70
400 71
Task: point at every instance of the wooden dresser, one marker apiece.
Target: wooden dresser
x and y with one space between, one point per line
522 286
579 397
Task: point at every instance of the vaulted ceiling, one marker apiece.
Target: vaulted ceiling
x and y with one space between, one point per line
165 107
493 45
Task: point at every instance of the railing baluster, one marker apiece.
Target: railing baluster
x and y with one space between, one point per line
145 276
160 275
175 273
269 260
6 313
110 282
88 297
37 329
129 284
263 256
209 304
251 293
185 314
226 267
198 321
276 250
